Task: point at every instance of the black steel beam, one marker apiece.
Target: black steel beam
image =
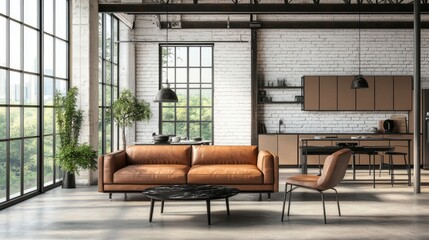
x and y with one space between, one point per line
261 8
299 25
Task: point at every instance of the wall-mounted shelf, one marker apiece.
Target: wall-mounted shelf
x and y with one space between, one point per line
280 102
280 87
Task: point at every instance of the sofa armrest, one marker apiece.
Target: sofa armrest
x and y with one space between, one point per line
268 163
108 165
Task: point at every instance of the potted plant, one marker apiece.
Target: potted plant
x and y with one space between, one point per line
72 156
127 109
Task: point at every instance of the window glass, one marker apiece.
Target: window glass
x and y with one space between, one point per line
61 27
3 119
61 86
181 57
48 91
48 55
30 122
48 120
3 86
206 56
15 45
115 39
15 88
48 16
3 10
61 58
108 38
194 56
15 122
2 171
48 154
3 41
31 43
15 9
15 169
30 164
31 89
31 15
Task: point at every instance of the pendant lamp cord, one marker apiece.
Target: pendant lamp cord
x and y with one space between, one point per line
167 39
359 38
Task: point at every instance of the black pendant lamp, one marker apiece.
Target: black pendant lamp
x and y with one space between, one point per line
359 81
166 94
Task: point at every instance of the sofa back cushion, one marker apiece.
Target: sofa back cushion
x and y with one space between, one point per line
158 154
224 155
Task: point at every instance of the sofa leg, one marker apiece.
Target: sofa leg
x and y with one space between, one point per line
260 196
110 196
269 196
125 197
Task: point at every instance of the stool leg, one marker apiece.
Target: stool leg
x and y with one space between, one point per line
373 171
380 167
407 164
369 164
392 174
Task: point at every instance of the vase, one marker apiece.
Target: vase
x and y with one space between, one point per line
69 180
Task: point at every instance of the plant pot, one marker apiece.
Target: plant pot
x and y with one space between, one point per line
69 180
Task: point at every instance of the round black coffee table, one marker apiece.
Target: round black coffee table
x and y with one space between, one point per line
188 192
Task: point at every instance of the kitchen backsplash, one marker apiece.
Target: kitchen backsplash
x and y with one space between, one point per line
296 120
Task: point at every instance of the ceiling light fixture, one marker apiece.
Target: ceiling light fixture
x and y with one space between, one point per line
166 94
359 81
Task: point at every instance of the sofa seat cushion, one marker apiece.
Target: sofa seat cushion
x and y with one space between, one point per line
152 174
225 174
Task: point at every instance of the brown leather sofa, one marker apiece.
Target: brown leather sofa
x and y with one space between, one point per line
143 166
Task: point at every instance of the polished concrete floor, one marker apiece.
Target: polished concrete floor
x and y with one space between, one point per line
382 213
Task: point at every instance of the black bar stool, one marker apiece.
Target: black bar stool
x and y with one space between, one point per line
392 174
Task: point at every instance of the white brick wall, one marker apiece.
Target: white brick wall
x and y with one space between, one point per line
231 78
292 54
282 53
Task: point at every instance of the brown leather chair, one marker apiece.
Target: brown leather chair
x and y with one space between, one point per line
333 172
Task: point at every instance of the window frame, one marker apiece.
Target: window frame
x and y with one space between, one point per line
188 88
103 108
40 106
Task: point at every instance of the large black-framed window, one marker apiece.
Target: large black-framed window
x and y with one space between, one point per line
108 82
34 47
190 74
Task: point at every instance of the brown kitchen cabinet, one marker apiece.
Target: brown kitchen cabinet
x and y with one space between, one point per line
328 93
287 146
311 93
365 96
268 143
383 93
346 95
402 93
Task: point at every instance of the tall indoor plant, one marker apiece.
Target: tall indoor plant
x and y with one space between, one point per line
127 109
72 156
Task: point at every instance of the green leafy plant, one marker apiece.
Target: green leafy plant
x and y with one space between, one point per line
127 109
72 156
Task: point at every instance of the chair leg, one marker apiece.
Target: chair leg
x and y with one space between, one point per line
407 164
269 196
110 196
381 165
125 197
290 199
369 164
323 203
284 203
260 196
338 201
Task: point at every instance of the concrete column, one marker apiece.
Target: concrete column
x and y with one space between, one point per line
84 72
127 72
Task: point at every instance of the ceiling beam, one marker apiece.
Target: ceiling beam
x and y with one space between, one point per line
296 25
261 8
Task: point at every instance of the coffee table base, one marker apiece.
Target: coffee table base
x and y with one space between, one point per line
152 205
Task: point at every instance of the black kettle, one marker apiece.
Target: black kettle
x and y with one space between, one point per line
388 126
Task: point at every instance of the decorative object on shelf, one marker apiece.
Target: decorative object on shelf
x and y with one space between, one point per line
359 81
262 128
72 156
280 125
127 110
166 94
261 95
175 139
299 99
281 82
